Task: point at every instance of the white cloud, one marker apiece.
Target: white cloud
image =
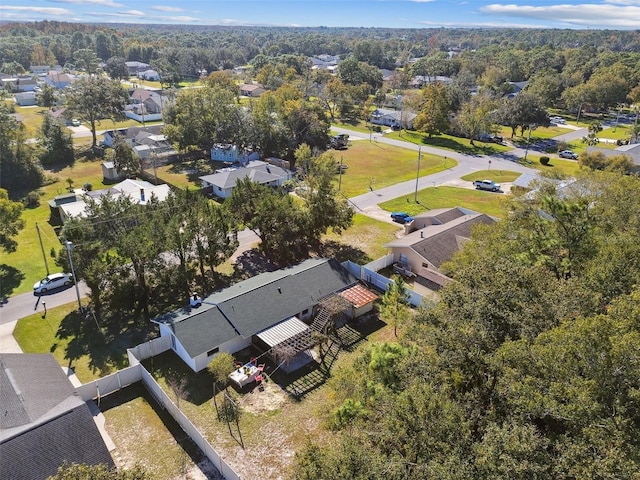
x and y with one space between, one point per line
584 15
165 8
480 25
106 3
132 13
40 10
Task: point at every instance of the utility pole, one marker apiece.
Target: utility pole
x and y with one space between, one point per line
73 272
44 257
339 179
415 196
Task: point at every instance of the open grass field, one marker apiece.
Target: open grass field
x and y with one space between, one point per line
446 197
449 142
26 264
379 165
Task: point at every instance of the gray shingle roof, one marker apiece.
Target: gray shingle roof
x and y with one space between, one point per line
44 421
261 173
252 305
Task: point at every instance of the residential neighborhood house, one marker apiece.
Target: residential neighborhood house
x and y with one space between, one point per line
222 183
433 238
251 90
145 141
44 422
139 191
58 79
145 105
264 311
225 152
393 118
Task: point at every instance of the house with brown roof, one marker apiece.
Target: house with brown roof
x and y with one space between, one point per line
252 90
434 237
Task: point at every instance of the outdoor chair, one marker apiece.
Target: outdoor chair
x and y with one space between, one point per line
253 360
261 367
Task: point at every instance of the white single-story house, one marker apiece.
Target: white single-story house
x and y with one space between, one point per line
149 74
435 237
26 99
224 180
139 191
393 118
39 69
135 67
265 310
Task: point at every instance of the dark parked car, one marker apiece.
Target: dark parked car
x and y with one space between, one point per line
401 217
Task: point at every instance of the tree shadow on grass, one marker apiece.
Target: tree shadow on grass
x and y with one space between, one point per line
342 252
197 387
106 351
10 279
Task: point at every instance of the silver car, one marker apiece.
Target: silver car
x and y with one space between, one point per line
53 281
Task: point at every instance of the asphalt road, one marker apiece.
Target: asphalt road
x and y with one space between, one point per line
23 305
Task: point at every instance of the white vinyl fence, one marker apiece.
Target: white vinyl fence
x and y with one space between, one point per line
135 373
380 282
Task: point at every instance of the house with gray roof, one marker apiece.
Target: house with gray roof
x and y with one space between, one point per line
232 319
44 421
393 118
434 237
222 183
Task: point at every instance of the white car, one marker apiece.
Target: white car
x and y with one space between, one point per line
53 281
558 120
568 154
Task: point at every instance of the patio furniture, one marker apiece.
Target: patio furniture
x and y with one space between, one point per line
244 374
261 367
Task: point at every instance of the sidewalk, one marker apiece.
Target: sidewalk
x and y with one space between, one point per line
8 344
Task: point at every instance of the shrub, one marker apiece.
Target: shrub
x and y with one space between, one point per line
32 200
544 160
87 187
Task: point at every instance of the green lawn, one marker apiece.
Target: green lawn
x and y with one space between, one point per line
380 165
187 174
26 265
359 127
364 240
445 197
449 142
563 166
495 175
73 340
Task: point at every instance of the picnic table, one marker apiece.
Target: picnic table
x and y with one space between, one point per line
244 375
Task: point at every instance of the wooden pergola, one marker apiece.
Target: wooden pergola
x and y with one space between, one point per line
330 309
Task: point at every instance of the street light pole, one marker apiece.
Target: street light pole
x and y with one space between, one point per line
73 272
415 196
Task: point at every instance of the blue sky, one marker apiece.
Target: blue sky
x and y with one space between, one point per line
595 14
